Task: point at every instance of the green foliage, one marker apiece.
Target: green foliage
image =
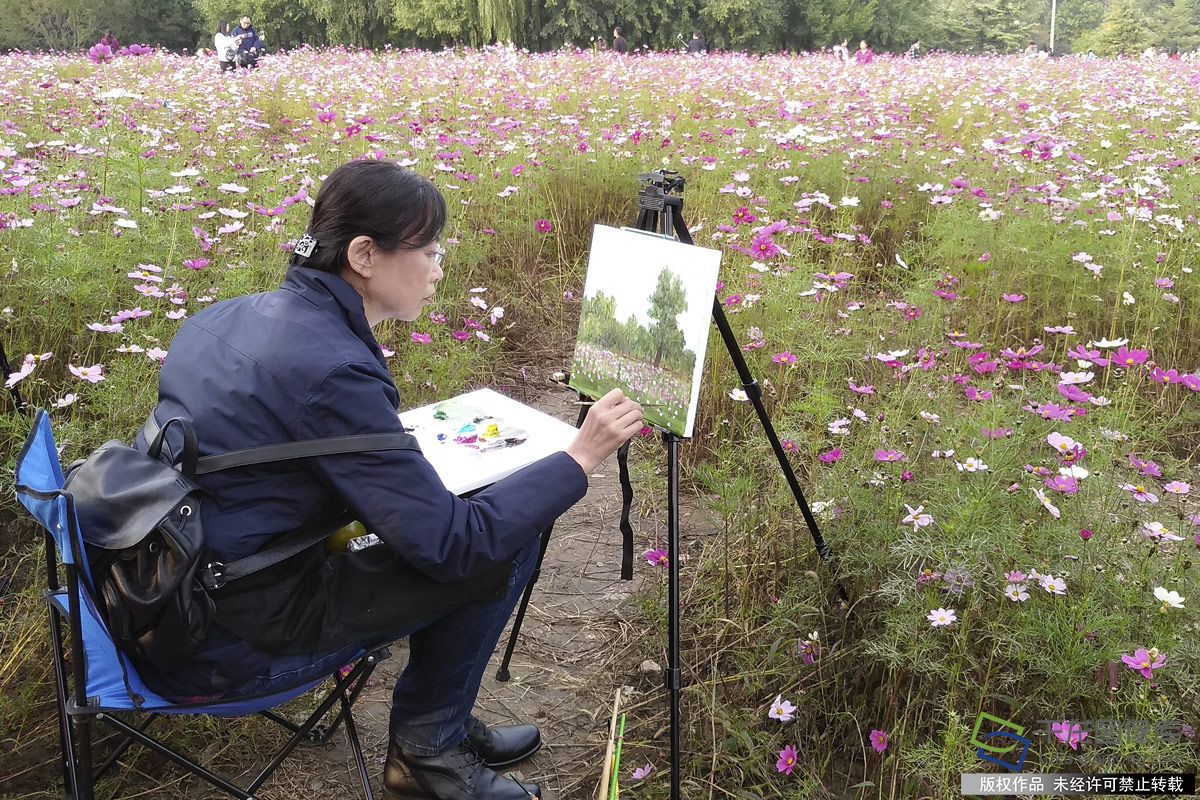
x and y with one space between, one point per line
1122 32
985 26
49 24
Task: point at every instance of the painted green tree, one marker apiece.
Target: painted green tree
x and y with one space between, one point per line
666 304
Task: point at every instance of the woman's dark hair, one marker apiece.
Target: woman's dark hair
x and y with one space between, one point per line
223 27
394 206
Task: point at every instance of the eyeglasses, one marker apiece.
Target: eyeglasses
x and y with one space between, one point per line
439 255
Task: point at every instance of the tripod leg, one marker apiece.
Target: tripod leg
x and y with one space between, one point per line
502 674
671 675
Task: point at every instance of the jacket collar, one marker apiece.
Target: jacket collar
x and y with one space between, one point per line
331 293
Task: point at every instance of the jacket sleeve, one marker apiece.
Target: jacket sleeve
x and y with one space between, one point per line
399 497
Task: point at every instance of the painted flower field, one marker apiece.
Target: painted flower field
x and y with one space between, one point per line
967 286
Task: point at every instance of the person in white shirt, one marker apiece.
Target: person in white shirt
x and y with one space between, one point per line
226 46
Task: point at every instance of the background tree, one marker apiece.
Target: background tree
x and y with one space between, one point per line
1122 31
48 24
666 304
1176 26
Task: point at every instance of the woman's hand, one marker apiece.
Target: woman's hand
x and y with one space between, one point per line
611 421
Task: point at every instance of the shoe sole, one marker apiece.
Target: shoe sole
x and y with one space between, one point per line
407 785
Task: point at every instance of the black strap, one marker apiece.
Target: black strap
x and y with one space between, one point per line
291 451
216 574
626 504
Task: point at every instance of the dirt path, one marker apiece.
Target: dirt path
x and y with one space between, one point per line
581 640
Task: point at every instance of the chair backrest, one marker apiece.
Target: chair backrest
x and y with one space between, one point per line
105 677
39 482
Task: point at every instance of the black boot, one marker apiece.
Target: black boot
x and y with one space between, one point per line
457 774
503 745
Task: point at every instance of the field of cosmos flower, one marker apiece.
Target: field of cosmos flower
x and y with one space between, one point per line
966 284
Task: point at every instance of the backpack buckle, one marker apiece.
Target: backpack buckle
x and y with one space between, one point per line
213 575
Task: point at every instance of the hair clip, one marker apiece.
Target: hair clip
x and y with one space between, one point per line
305 246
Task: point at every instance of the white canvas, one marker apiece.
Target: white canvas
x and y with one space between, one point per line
652 354
465 465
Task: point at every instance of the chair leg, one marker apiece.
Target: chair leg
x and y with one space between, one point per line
356 747
125 744
192 767
75 758
360 683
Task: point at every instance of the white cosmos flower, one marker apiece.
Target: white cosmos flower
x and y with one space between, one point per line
1076 377
1169 599
1107 343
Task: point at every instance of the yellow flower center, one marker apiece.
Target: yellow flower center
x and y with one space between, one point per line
1139 489
1145 664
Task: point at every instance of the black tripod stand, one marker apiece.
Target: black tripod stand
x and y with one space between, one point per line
660 204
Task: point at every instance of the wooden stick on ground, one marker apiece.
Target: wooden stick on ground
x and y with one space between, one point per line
606 774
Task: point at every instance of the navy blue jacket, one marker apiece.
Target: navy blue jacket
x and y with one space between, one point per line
251 42
301 363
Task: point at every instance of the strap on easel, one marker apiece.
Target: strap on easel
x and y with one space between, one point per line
626 505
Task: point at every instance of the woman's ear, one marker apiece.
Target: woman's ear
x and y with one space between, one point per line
359 255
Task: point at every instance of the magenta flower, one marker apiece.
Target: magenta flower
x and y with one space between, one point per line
1177 487
543 226
1070 733
1146 467
763 248
879 740
977 395
642 772
1145 661
1012 298
99 53
787 760
867 389
789 446
996 433
657 557
890 455
196 263
1165 376
421 338
1063 484
1085 534
831 456
1126 358
786 357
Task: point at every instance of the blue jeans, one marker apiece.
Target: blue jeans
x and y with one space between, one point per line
446 659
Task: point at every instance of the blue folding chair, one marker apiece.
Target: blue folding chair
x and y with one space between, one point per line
100 684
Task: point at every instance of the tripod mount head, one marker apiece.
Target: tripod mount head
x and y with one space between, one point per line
659 189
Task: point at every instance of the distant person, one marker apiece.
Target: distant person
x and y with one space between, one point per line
841 51
250 45
111 41
864 54
226 47
619 43
696 45
1032 51
914 49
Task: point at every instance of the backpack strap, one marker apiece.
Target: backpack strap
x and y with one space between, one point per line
216 574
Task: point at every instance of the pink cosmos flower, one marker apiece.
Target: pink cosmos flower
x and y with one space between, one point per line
99 53
196 263
977 395
1177 487
782 710
421 338
1144 466
92 374
1070 733
1062 484
786 357
1140 493
642 772
1127 358
995 433
860 389
1145 661
831 456
657 557
787 760
1016 576
941 617
1085 534
917 517
890 455
543 226
879 740
1012 298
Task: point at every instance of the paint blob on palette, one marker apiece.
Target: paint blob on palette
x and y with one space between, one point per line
474 428
477 438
